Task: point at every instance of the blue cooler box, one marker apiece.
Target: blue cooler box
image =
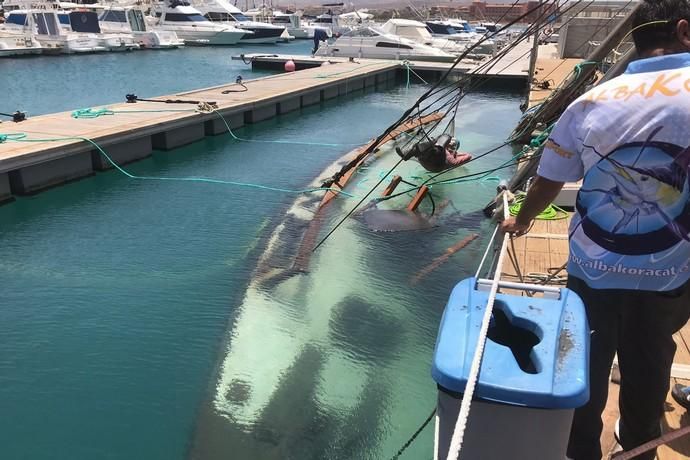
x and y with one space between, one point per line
534 373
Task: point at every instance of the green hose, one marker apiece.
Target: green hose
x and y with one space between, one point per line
552 212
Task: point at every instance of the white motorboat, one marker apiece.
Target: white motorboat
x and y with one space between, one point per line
374 43
86 22
18 44
45 28
192 27
131 20
461 31
418 32
223 12
330 23
292 24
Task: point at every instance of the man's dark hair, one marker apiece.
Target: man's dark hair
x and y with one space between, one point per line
652 36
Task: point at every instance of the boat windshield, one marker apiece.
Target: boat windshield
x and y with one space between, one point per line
46 24
361 33
16 18
136 20
240 17
113 16
181 17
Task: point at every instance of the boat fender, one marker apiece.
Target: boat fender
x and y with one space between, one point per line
290 66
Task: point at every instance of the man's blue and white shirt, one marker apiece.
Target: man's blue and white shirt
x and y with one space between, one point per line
629 141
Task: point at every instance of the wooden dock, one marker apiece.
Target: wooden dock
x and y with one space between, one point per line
550 71
132 130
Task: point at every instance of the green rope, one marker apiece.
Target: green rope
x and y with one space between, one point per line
21 137
95 113
537 141
11 137
552 212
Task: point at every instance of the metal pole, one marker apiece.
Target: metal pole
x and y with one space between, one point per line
535 50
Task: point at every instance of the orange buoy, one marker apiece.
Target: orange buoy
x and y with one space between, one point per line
290 66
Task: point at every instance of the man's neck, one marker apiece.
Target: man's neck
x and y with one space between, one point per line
662 52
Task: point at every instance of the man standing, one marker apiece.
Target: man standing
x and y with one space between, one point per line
629 140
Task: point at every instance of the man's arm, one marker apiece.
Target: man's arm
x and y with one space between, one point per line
542 193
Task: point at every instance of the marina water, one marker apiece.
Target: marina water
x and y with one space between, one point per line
118 296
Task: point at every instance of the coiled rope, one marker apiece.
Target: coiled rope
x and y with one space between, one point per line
552 212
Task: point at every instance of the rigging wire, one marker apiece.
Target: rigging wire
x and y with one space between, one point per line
407 113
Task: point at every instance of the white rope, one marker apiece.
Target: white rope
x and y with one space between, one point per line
461 423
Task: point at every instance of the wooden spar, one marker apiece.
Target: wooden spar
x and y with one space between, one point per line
309 240
392 186
417 200
440 260
409 125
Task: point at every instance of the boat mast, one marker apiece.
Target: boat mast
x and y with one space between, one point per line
535 48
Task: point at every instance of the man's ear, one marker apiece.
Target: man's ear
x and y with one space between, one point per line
683 33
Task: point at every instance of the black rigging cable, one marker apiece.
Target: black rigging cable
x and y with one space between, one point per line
416 105
409 442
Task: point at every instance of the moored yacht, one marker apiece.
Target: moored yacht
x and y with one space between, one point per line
418 32
460 31
292 24
374 43
86 22
45 28
192 27
223 12
131 20
330 23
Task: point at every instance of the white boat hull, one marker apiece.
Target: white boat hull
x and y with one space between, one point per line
19 45
118 42
158 39
209 37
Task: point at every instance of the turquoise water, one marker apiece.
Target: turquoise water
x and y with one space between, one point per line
119 298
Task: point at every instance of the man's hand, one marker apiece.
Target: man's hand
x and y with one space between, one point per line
511 225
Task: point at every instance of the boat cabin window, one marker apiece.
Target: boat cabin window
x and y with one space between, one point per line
136 20
46 24
63 18
393 45
113 16
16 18
181 17
217 16
281 20
240 17
324 20
84 21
